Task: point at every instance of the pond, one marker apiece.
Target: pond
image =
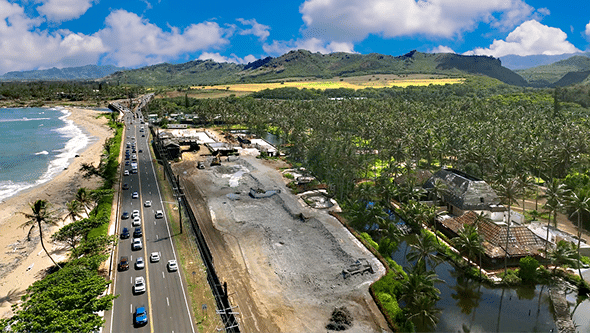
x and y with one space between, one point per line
273 139
469 306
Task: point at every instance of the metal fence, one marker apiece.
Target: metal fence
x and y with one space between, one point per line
224 308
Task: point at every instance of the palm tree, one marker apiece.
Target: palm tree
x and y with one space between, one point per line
420 295
74 209
562 254
555 195
579 205
424 251
40 213
84 198
508 192
468 243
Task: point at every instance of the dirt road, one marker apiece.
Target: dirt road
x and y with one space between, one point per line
284 274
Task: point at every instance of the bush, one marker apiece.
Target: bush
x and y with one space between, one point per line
528 269
369 240
511 278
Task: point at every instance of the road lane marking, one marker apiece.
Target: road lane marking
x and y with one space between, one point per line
167 301
163 276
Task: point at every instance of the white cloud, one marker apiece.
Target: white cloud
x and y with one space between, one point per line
233 58
258 30
278 48
531 37
587 31
442 49
354 20
134 41
63 10
24 46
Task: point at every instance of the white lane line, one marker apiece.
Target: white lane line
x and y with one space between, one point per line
163 276
131 308
157 237
167 301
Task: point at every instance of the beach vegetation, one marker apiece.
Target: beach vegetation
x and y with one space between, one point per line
40 215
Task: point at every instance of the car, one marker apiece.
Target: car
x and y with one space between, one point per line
125 186
172 266
134 171
137 245
140 316
155 257
135 213
159 214
125 215
143 135
139 263
126 163
127 157
148 203
125 233
139 285
135 195
141 151
136 221
134 151
137 232
124 263
126 173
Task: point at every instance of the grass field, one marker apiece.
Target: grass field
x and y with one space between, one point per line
356 82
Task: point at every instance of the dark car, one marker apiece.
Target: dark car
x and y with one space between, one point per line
124 263
125 233
140 317
137 232
125 186
126 163
125 215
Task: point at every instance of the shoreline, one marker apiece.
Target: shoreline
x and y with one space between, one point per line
22 262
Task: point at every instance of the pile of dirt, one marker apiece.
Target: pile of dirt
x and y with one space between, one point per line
341 320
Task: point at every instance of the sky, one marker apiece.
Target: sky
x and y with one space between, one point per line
41 34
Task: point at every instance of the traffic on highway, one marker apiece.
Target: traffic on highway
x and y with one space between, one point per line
149 285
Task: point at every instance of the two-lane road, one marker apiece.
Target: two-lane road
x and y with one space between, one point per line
165 298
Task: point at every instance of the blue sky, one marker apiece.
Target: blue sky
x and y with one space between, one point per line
40 34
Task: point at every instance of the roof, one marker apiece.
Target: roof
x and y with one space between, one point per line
523 241
464 191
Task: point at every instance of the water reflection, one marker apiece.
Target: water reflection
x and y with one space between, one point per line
468 306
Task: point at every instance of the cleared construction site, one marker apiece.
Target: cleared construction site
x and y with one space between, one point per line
288 267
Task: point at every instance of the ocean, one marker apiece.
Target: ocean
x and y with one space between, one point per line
36 144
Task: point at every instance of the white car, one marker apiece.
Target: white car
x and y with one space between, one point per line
126 173
148 203
139 263
137 244
159 214
136 222
135 213
135 195
172 266
155 257
139 285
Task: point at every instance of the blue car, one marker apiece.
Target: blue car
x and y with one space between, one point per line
140 317
125 233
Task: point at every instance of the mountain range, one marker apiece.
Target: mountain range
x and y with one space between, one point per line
566 70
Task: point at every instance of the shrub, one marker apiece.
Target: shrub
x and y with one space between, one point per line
511 278
369 240
528 269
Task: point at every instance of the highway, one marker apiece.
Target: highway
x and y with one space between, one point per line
165 297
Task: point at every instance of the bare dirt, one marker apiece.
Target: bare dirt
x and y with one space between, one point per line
284 274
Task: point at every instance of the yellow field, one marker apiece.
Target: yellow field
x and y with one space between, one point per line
381 81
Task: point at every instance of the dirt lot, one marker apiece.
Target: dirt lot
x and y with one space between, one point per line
284 274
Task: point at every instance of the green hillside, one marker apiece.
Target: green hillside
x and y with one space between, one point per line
548 75
88 72
303 63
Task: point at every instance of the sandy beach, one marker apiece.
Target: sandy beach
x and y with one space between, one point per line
22 262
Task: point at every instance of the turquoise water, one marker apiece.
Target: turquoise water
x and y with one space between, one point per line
36 144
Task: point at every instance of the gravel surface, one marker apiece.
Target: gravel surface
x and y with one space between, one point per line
284 273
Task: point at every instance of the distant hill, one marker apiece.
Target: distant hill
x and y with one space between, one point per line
557 73
88 72
302 63
516 62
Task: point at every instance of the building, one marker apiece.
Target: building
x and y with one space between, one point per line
522 241
465 192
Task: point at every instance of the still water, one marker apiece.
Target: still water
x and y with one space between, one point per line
468 306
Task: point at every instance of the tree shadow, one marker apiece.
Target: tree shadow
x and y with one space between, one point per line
12 296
